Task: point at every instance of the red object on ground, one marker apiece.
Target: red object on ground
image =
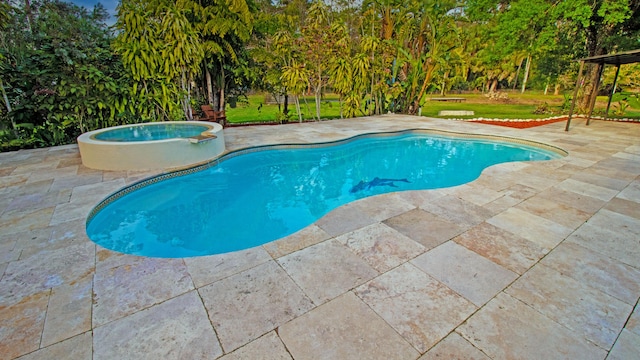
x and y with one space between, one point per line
520 124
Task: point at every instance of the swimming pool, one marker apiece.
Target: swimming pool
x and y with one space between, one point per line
257 195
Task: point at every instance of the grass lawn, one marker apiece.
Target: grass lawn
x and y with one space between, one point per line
517 106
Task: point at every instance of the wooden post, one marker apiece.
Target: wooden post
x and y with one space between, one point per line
575 95
595 95
613 91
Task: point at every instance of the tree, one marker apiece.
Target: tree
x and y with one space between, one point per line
160 49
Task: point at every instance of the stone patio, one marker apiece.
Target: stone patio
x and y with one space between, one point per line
536 260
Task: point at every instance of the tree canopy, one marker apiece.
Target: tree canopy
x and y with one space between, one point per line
63 71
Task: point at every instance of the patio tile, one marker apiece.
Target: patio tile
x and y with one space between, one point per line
624 225
59 172
308 236
477 194
458 211
599 180
267 347
79 180
585 310
545 233
79 347
599 271
581 202
625 207
633 324
69 311
31 201
631 192
71 211
53 238
427 229
504 248
344 328
609 242
344 219
25 220
8 249
207 269
454 346
326 270
382 207
583 188
245 306
94 193
381 246
506 328
421 309
501 204
21 325
465 272
560 213
39 273
626 347
175 329
126 289
419 198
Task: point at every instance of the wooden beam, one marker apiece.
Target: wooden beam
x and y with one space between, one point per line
595 90
575 95
613 91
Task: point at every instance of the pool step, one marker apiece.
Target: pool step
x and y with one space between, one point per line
201 138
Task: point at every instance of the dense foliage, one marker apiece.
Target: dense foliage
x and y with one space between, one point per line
63 71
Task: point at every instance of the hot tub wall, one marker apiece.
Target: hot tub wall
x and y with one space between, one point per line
167 154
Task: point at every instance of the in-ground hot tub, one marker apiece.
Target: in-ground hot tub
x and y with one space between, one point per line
161 145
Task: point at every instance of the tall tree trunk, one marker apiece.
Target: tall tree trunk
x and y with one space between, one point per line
32 23
515 82
546 87
222 84
526 74
444 83
285 109
556 89
209 85
7 103
494 85
297 97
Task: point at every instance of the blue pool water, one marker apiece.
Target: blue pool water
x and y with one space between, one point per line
258 196
149 132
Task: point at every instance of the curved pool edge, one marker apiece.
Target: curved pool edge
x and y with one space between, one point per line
167 154
230 154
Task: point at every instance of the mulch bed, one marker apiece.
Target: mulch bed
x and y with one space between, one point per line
519 124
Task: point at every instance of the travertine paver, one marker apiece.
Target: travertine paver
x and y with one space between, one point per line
247 305
423 227
454 346
175 329
308 236
327 270
545 233
123 290
344 328
466 272
627 347
419 307
565 231
502 247
76 348
205 270
268 346
599 271
381 246
508 329
587 311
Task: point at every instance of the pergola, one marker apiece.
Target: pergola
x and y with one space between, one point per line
628 57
